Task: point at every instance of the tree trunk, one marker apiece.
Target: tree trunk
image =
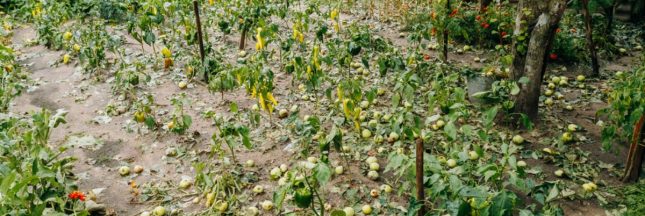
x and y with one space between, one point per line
610 19
541 18
483 4
590 43
636 152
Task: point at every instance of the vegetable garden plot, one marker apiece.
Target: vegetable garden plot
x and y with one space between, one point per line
312 107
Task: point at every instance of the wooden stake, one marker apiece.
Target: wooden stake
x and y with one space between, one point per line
419 176
636 153
243 39
199 37
445 33
590 43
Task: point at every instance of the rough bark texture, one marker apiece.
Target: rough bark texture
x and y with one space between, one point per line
636 153
540 21
591 46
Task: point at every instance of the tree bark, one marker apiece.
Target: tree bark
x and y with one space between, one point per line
636 153
540 18
610 19
590 43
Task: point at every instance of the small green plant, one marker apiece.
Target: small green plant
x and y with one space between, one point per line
227 132
626 106
179 122
10 79
143 111
35 180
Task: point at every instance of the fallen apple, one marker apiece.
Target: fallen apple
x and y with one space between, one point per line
373 175
371 159
366 134
374 193
159 211
566 137
473 155
267 205
283 113
518 139
124 170
252 211
367 209
185 184
138 169
275 173
338 170
349 211
375 166
386 188
250 163
572 127
580 78
451 163
258 189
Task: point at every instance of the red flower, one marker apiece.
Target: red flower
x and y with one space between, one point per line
503 34
484 25
76 195
454 12
558 30
478 17
553 56
426 57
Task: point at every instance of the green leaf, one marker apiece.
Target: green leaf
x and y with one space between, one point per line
489 117
337 213
246 141
150 122
515 89
322 173
187 120
396 99
233 107
451 130
503 204
413 206
279 196
553 194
